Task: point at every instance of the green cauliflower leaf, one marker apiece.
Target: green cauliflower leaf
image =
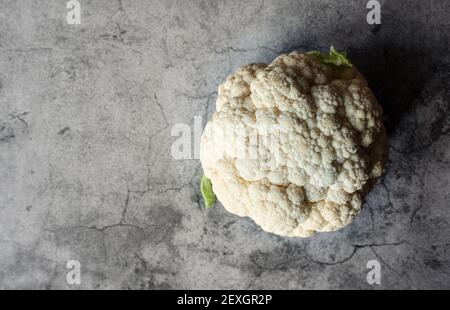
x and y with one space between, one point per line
207 192
333 57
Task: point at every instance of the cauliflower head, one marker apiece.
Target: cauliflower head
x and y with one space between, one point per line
296 144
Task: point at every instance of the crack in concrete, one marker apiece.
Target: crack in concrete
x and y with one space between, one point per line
161 109
180 187
390 268
388 193
413 215
339 262
19 116
121 222
372 219
284 264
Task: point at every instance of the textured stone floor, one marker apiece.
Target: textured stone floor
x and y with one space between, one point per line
86 173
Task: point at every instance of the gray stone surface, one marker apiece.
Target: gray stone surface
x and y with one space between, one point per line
86 113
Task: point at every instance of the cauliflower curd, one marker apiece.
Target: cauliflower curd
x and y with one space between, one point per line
296 144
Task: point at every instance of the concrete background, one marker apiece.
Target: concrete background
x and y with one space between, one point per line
85 167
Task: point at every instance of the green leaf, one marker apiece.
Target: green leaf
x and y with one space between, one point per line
207 192
338 59
334 57
318 55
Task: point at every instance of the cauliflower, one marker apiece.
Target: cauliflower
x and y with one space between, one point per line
295 145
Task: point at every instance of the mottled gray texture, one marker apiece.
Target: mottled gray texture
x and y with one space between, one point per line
85 165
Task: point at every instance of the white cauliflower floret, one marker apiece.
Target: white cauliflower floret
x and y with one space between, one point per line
294 145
